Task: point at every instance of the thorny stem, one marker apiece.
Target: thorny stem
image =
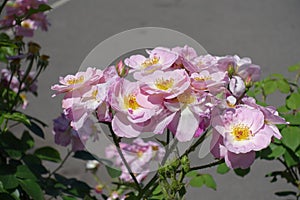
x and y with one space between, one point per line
208 165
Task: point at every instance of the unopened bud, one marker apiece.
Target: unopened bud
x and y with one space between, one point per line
237 86
99 188
33 48
121 69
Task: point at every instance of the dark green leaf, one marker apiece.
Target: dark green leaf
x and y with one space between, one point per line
113 173
290 158
7 169
223 169
6 196
85 155
27 140
242 172
9 181
286 193
48 153
68 198
32 189
35 164
36 129
293 119
25 173
41 8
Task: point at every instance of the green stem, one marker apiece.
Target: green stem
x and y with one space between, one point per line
29 67
61 164
291 172
208 165
116 142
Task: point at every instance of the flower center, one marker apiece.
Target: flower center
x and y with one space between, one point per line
186 98
26 24
202 78
241 132
150 62
163 84
130 102
73 81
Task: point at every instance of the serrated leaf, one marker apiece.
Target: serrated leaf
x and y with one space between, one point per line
32 189
223 168
113 173
291 137
293 101
48 153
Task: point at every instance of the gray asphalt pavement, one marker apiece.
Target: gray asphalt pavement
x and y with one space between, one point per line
268 31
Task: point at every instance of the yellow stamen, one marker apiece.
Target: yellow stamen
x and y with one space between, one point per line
241 132
154 148
163 84
140 154
73 81
150 62
202 78
130 102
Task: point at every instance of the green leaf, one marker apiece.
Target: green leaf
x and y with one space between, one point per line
290 158
35 165
291 137
6 196
9 181
191 174
27 140
68 198
286 193
197 181
48 153
113 173
25 173
295 67
293 119
269 87
293 101
32 189
242 172
209 181
36 129
223 169
17 116
41 8
85 155
277 151
283 109
283 86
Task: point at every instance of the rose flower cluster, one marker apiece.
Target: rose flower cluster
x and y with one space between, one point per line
173 89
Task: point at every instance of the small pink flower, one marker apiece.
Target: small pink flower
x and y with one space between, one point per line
210 81
237 86
243 129
169 84
159 59
186 56
81 81
139 155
